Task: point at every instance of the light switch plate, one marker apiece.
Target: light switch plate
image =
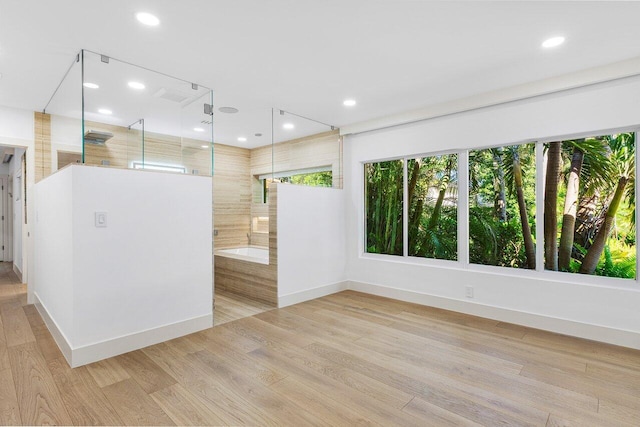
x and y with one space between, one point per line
101 219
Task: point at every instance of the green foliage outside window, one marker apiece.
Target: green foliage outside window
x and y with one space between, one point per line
433 208
590 206
502 206
383 195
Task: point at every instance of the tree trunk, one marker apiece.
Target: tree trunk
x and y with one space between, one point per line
500 200
444 183
550 206
433 221
570 208
529 247
595 251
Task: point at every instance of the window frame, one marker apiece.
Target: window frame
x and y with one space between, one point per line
462 263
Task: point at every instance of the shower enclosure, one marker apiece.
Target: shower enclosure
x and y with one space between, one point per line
107 112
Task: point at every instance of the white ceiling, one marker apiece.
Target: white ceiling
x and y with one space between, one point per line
308 56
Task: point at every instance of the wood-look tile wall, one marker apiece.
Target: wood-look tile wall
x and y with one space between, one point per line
231 196
126 147
323 149
251 279
238 193
42 136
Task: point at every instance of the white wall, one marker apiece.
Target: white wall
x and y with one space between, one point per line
559 302
52 263
311 242
147 277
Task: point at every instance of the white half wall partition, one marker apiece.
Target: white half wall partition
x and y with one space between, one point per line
123 258
560 302
311 242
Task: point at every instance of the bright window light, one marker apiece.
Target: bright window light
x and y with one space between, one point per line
157 167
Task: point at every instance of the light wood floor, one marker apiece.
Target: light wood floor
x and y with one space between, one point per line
230 306
342 360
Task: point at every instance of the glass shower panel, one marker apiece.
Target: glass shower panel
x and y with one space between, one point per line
196 148
135 143
59 135
305 151
138 118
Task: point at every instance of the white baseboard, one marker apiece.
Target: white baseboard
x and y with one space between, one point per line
554 324
309 294
56 333
101 350
18 272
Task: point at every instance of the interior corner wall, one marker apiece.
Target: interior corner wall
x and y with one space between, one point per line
601 312
311 242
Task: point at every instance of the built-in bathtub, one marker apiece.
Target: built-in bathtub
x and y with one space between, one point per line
247 271
250 253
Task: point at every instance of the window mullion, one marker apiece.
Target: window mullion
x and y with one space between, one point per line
405 210
541 169
463 208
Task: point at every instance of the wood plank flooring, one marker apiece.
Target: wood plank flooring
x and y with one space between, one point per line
230 306
345 359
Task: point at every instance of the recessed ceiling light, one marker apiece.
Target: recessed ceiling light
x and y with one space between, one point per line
553 42
90 85
288 126
228 110
242 139
105 111
198 129
136 85
204 146
349 102
147 19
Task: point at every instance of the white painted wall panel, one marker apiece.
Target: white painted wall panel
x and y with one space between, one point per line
144 278
311 238
152 264
53 280
569 297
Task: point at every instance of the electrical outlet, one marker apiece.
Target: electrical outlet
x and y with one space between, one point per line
468 291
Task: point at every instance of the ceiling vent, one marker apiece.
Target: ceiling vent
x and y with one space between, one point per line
172 95
8 155
97 137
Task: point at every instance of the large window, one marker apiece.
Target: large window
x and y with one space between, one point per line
384 195
502 206
575 198
433 206
589 203
431 223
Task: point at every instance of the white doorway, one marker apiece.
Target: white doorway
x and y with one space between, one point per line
6 214
12 204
